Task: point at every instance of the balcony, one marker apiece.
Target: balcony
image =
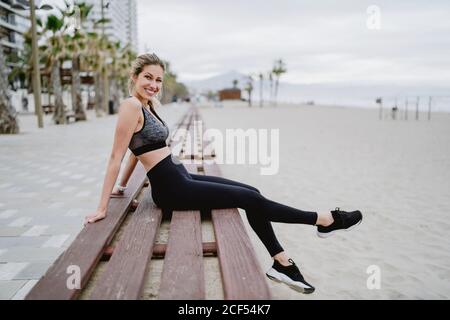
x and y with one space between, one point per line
10 26
12 45
7 6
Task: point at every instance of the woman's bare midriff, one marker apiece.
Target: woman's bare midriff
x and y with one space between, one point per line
151 158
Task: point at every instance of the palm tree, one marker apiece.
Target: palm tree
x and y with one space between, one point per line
24 66
126 57
121 59
278 69
53 53
171 87
270 75
115 54
8 121
77 104
78 48
94 62
249 89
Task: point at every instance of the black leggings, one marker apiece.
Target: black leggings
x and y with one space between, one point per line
173 188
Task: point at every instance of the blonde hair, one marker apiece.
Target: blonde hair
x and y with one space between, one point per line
139 64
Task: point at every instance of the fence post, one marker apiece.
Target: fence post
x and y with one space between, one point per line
417 108
429 108
406 108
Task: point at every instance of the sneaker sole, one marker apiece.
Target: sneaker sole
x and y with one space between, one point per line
329 234
277 277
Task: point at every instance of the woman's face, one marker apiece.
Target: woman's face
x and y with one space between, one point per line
149 82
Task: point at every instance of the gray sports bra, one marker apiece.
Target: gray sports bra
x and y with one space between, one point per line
152 136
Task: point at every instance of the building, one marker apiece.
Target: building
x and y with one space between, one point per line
122 24
13 24
230 94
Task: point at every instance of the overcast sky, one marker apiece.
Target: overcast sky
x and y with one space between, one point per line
320 41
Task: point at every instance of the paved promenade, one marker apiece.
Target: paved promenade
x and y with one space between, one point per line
49 180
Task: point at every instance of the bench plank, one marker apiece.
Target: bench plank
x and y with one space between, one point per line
87 248
242 276
183 273
177 140
193 145
124 276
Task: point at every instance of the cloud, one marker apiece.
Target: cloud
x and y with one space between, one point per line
320 42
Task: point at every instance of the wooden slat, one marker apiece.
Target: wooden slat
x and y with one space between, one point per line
192 146
209 249
183 273
124 275
87 248
177 142
242 276
185 127
159 250
207 145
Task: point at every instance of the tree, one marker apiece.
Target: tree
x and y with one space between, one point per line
235 83
171 87
249 89
270 75
278 69
77 48
8 121
54 52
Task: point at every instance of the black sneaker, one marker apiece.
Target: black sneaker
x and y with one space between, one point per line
342 221
289 275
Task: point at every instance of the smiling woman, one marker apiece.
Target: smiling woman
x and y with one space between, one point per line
174 188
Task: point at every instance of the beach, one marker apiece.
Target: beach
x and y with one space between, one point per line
396 172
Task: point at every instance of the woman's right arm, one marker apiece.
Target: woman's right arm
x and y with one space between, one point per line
127 121
129 168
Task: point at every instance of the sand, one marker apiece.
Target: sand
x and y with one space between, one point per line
396 172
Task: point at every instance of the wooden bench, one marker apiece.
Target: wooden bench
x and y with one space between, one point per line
128 260
70 115
48 108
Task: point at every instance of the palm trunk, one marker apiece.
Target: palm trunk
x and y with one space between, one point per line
261 92
60 112
114 89
77 105
98 93
8 121
276 90
105 91
271 92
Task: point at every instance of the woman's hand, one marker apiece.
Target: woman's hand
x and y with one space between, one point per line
117 191
95 216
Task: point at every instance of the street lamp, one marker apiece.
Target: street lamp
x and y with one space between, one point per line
35 57
104 76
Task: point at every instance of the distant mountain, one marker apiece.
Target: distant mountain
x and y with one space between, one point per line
218 82
360 95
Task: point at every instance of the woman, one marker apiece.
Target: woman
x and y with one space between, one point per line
144 132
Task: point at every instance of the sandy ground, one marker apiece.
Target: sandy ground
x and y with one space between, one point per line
395 172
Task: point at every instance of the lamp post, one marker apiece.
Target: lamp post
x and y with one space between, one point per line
103 71
35 58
